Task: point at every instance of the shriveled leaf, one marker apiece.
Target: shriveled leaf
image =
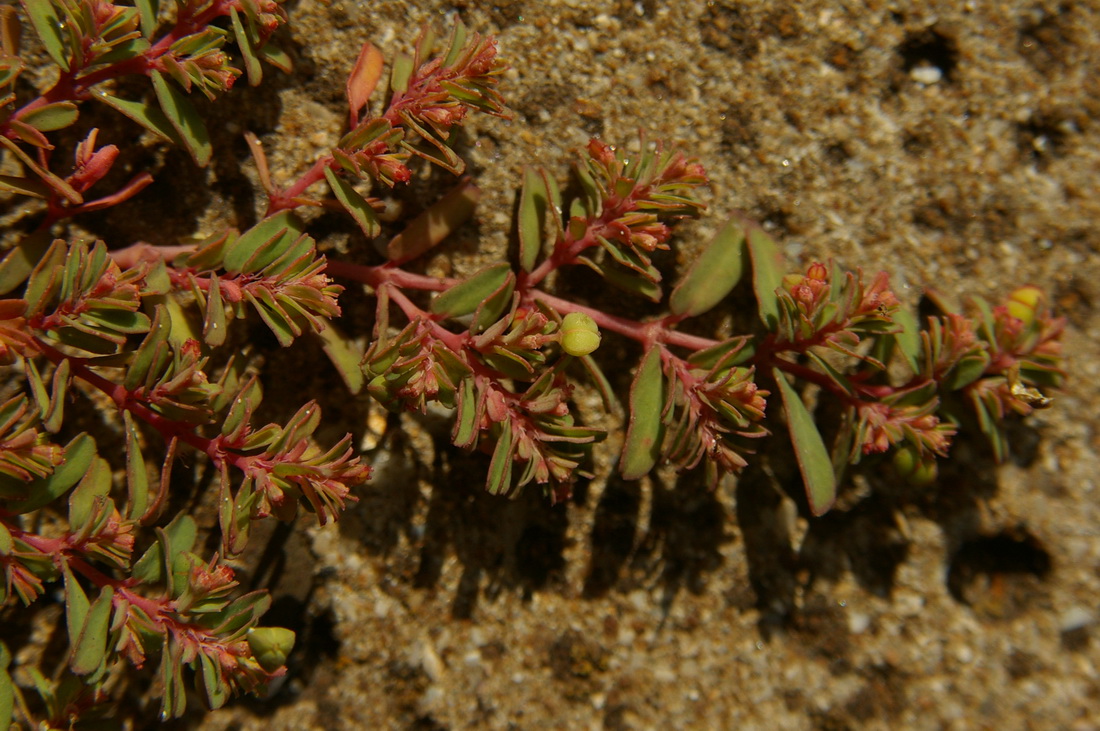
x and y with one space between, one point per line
767 275
712 275
184 119
642 447
809 448
356 206
434 224
465 297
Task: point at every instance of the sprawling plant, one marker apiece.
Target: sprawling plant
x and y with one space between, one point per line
141 336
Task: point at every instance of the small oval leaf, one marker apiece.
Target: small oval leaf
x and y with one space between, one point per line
713 274
465 297
184 119
642 447
767 275
356 206
809 449
51 117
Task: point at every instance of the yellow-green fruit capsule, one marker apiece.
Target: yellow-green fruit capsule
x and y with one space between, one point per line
579 334
1023 303
914 468
270 646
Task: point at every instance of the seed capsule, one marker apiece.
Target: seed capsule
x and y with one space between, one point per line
579 334
270 646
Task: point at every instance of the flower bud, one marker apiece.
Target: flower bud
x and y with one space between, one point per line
579 334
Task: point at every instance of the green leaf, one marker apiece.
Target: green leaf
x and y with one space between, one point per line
147 114
51 117
177 537
465 297
401 73
767 275
966 371
93 488
809 449
495 305
731 352
43 491
248 50
642 447
214 323
499 481
217 693
174 700
263 243
533 205
713 274
90 648
277 57
50 30
137 478
76 604
465 430
434 224
184 119
625 279
148 10
7 688
356 206
908 338
344 355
